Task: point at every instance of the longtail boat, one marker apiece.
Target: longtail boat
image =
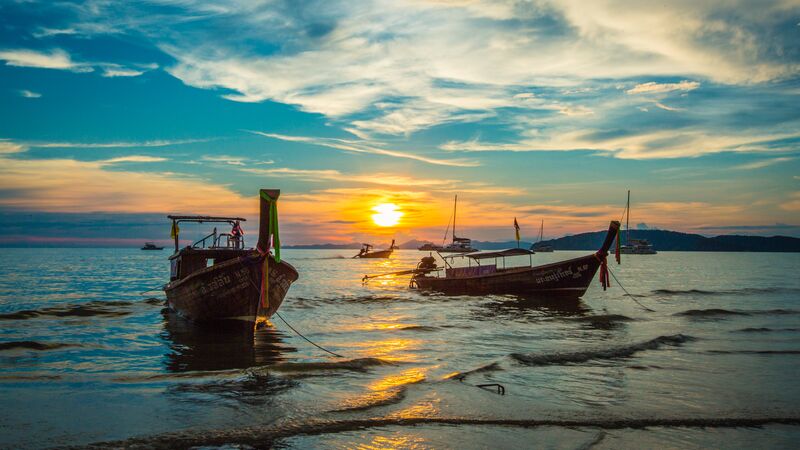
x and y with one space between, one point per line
562 280
218 279
367 252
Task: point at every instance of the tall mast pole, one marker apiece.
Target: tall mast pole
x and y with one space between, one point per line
455 207
628 216
541 231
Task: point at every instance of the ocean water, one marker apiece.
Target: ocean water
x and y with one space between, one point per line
87 358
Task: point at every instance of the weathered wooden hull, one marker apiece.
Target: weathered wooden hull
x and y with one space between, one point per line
378 254
563 280
230 290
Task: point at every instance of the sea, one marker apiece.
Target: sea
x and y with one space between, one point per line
684 350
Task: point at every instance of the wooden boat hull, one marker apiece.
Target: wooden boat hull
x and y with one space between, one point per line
378 254
230 290
563 280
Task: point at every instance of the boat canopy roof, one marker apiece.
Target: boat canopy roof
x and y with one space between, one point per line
202 219
496 254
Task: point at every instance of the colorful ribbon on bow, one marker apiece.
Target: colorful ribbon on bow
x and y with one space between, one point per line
604 279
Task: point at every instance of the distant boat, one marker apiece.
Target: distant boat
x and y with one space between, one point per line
634 246
151 246
366 251
565 280
539 246
429 247
218 280
458 245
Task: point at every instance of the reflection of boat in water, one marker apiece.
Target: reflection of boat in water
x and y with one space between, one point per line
198 348
634 246
539 246
217 278
565 279
151 246
366 251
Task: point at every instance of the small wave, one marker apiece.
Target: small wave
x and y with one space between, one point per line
764 330
743 291
604 321
717 312
90 309
375 399
608 353
33 345
353 365
493 367
419 328
754 352
269 436
713 312
155 301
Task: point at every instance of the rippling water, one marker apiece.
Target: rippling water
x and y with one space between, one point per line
85 358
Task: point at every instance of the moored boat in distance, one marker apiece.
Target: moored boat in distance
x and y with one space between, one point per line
539 246
634 246
151 246
459 244
366 251
429 247
218 279
562 280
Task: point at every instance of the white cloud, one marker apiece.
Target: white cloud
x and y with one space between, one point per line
132 158
7 146
383 179
371 148
764 163
48 32
118 71
661 88
124 144
56 59
29 94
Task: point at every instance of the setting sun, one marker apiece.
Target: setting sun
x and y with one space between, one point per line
386 215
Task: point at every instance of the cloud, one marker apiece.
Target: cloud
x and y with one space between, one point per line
648 145
49 32
29 94
661 88
122 144
371 148
793 204
7 146
66 185
763 163
383 179
56 59
133 158
666 108
119 71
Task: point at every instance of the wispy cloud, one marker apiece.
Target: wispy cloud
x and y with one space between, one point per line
8 146
122 144
335 175
133 159
29 94
764 163
661 88
55 59
361 147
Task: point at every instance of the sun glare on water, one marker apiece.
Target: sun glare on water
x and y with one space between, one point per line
386 215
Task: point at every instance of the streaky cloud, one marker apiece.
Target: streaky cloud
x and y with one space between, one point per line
360 147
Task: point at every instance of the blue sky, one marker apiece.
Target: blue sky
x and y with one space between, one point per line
121 112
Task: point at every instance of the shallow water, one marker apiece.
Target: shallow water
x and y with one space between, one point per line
86 358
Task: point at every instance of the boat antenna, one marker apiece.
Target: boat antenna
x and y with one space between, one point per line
446 230
455 207
628 216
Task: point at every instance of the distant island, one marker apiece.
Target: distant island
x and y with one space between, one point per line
662 240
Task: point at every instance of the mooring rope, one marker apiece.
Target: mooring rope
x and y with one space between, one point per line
628 293
307 339
295 330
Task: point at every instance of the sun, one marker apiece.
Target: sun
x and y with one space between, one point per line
386 215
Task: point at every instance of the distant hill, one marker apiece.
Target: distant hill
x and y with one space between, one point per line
675 241
662 240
